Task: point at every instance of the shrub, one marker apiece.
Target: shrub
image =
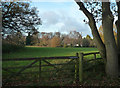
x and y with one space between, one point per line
9 47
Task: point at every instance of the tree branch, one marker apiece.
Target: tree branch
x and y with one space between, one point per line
95 33
85 11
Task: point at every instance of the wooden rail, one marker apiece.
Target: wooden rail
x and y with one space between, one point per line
35 60
84 54
78 59
42 58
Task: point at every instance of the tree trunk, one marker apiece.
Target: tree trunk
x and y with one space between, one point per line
92 24
97 38
118 26
110 44
118 33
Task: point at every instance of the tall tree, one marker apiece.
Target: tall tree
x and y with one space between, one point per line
44 41
91 41
92 24
85 42
28 39
75 38
57 34
101 32
108 49
16 39
110 44
118 31
118 27
35 39
19 16
55 42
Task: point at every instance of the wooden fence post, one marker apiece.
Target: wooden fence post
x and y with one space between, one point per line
39 70
76 69
81 67
94 62
94 56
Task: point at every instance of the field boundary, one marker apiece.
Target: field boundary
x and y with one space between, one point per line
35 60
78 65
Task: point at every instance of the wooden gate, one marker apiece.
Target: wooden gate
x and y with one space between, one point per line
40 71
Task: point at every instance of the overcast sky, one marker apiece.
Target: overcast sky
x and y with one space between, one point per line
61 17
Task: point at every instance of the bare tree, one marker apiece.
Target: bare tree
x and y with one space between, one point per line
55 42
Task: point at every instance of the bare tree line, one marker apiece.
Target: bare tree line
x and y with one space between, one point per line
56 39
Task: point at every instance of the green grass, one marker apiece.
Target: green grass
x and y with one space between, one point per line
46 52
43 52
94 75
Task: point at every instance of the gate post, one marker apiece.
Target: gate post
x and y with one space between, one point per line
76 69
39 70
94 61
80 67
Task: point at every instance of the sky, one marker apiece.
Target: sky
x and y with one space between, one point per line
61 17
58 16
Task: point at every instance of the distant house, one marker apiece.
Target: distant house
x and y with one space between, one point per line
77 45
68 44
81 45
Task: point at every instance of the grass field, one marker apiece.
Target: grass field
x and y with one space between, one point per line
46 52
42 52
95 75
